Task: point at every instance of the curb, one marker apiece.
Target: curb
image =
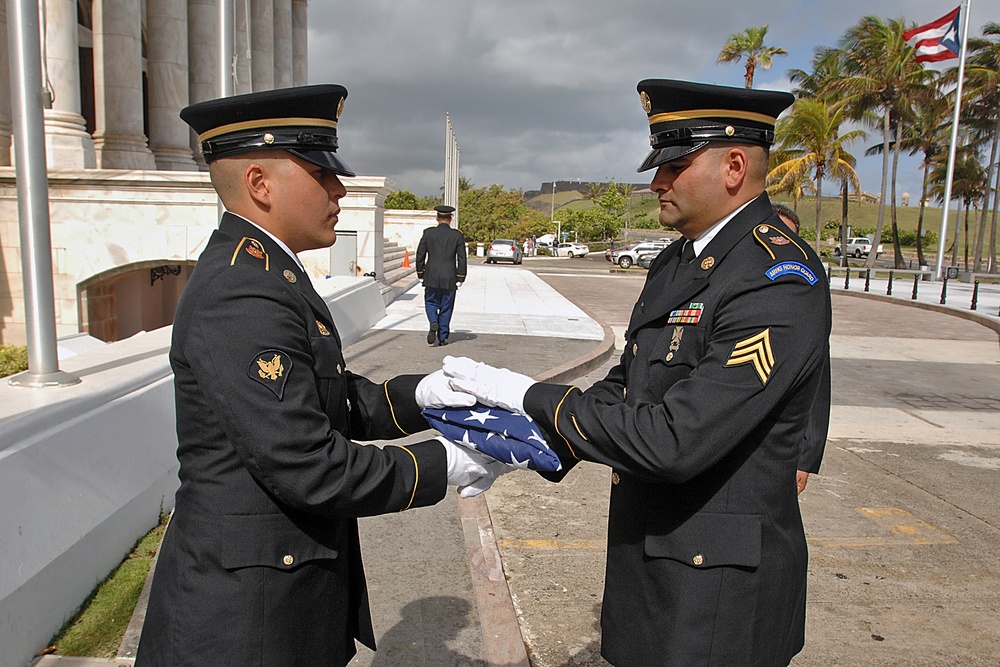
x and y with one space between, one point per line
988 321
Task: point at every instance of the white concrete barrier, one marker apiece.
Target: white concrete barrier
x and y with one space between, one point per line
86 470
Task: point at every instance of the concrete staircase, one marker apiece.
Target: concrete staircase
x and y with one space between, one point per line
395 278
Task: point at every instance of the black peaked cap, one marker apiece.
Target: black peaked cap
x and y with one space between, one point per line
684 116
301 120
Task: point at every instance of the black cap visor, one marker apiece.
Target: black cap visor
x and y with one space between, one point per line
660 156
325 159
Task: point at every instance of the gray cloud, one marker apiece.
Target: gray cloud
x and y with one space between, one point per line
544 89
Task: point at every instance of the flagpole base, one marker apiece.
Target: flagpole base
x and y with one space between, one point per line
43 380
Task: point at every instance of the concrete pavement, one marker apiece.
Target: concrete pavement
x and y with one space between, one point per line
902 520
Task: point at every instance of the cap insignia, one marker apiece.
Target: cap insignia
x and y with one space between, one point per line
340 107
271 368
322 328
647 106
268 138
707 263
755 350
289 275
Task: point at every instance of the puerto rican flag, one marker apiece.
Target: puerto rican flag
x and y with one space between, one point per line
937 40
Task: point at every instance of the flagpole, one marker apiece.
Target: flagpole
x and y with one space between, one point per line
954 139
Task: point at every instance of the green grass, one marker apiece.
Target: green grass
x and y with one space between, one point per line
13 359
98 628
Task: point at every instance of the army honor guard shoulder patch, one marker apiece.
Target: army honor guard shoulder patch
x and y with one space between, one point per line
271 369
792 268
756 351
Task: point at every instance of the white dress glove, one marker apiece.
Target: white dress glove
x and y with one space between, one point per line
492 386
435 391
469 470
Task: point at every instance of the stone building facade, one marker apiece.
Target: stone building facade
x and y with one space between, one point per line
130 203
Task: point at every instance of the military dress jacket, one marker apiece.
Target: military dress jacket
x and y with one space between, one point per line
441 257
701 422
261 565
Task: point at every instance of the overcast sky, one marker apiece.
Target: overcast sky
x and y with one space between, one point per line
545 89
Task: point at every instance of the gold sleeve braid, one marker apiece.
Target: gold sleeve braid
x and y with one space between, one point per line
555 421
416 477
385 386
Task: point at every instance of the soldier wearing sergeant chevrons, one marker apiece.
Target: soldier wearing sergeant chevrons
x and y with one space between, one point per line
701 420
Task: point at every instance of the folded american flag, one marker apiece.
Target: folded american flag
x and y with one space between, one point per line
506 436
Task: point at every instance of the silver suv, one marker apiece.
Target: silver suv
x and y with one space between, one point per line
626 257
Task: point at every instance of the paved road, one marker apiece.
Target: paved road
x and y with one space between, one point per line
903 523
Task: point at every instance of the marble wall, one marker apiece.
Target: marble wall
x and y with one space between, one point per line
105 222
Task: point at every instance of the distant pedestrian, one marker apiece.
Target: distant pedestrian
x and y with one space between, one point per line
441 265
534 245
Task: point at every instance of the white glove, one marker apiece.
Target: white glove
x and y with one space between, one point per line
434 391
469 470
492 386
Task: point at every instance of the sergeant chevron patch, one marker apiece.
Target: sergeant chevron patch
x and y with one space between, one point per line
755 350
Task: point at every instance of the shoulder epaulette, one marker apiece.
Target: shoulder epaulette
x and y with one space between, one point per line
778 244
252 248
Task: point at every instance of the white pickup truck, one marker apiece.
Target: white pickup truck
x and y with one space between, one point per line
858 247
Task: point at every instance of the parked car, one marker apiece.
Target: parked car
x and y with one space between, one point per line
607 253
627 256
858 247
646 258
503 249
573 249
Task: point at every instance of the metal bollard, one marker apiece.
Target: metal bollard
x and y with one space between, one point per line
888 291
944 290
847 278
868 279
975 295
829 273
916 281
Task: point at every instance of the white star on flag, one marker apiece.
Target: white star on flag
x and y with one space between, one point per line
480 416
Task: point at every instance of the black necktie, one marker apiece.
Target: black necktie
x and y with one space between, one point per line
687 252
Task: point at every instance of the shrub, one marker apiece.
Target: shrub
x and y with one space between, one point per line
13 359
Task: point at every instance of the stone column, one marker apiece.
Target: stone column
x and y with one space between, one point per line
167 70
282 43
262 43
203 59
6 127
300 43
68 145
243 82
119 139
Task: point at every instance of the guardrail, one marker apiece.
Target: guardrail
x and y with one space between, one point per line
892 277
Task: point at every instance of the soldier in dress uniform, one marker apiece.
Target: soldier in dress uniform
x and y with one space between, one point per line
441 265
261 564
814 440
701 420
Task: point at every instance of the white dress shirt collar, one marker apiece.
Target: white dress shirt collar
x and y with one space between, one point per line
711 232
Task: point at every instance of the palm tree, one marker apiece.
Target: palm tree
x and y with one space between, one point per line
881 74
982 75
811 136
928 134
750 43
827 67
969 185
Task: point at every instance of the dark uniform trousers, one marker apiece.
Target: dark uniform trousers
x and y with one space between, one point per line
701 422
261 564
441 265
